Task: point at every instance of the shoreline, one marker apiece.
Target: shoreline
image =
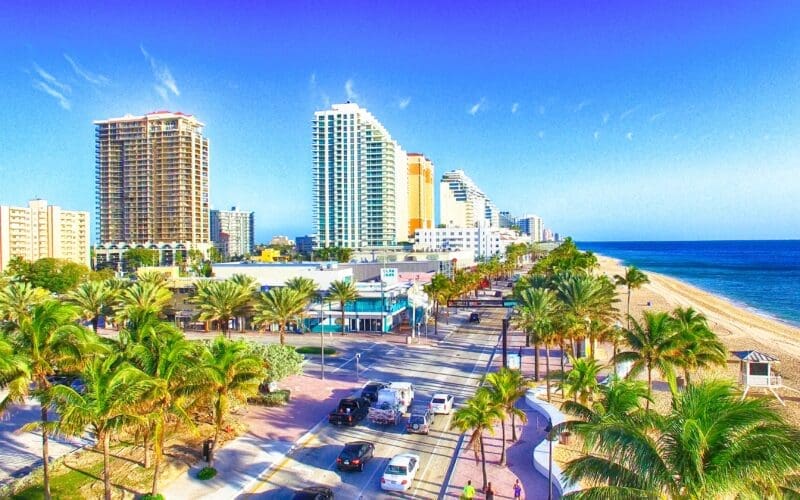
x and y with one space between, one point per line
738 327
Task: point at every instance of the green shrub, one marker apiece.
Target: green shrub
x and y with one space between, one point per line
206 473
277 398
329 351
149 496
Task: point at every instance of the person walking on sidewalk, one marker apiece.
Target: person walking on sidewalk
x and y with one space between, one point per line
489 493
468 493
517 489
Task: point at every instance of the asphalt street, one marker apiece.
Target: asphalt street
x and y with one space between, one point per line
455 365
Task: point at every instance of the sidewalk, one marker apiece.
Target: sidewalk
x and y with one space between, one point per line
519 455
273 433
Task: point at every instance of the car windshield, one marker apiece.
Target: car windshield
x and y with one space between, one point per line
438 401
396 469
351 450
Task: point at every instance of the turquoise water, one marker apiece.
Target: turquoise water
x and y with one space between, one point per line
763 276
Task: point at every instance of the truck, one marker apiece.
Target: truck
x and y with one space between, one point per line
405 394
386 409
349 412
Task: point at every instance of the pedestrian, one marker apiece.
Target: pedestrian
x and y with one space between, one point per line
489 492
468 493
517 489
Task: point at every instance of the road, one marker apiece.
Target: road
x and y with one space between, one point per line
456 366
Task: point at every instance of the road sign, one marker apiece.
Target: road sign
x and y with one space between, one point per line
481 303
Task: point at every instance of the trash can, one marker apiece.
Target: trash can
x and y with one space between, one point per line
408 339
208 450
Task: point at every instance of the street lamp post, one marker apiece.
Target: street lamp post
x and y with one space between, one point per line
321 341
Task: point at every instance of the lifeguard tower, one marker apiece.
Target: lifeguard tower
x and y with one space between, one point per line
755 371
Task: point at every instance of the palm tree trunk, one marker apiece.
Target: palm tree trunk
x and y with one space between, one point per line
45 454
483 462
224 326
547 370
527 339
562 365
513 427
535 362
281 330
686 376
343 319
614 358
649 387
106 468
436 320
145 445
95 323
628 319
158 448
503 446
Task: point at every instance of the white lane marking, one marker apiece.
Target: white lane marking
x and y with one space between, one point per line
352 358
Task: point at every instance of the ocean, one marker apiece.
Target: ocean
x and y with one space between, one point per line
762 276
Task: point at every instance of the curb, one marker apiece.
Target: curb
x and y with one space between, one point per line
541 452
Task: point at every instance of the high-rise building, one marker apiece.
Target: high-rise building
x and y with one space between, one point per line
152 179
532 226
507 220
463 204
41 230
420 193
233 232
360 181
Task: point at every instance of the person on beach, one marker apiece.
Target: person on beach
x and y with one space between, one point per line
489 493
468 492
517 489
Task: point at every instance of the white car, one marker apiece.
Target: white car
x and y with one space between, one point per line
400 472
441 404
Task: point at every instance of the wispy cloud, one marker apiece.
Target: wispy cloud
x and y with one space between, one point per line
540 134
629 136
541 109
657 116
93 78
312 80
628 113
596 135
473 110
404 102
166 82
51 80
515 107
349 90
606 117
582 105
62 99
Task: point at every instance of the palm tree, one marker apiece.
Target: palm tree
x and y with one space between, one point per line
436 292
47 340
280 305
111 401
506 387
93 299
699 347
711 445
18 298
306 287
536 309
232 374
477 417
222 300
585 299
632 279
169 360
581 381
618 399
653 345
141 301
343 292
12 367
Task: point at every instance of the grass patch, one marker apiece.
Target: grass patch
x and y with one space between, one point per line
152 497
206 473
63 486
277 398
308 349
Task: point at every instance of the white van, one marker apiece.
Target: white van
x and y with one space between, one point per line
405 394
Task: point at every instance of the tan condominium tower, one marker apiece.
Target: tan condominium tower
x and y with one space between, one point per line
41 230
420 193
152 179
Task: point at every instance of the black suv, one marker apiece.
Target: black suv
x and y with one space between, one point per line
355 455
314 493
370 391
474 318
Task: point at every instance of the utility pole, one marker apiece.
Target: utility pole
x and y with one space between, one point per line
505 342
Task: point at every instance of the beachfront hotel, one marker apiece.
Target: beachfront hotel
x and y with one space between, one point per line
420 193
41 230
533 226
233 232
360 181
463 204
152 183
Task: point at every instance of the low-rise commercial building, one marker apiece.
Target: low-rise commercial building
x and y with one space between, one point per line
483 241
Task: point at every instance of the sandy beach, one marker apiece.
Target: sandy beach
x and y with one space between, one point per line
738 328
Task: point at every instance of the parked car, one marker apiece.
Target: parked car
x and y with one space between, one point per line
314 493
400 472
349 412
420 421
354 455
474 318
370 391
442 404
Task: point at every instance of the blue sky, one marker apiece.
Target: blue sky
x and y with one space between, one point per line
611 120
